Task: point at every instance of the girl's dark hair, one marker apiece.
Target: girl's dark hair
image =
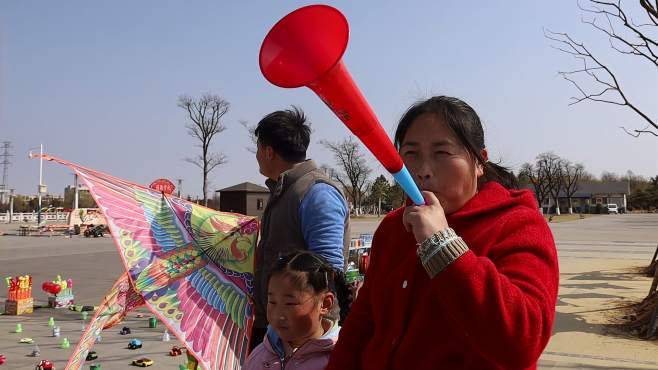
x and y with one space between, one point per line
465 123
287 132
310 270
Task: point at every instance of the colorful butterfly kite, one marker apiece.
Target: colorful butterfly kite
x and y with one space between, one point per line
190 265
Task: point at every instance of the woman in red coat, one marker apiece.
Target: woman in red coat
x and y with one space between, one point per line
467 281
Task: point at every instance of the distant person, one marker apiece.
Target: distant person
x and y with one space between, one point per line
467 281
302 308
306 209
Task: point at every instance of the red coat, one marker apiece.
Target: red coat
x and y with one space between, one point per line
493 308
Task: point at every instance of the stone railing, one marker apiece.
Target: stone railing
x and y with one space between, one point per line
31 217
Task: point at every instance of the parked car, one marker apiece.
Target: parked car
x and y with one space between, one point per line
612 208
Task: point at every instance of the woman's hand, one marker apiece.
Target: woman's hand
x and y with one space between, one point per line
424 221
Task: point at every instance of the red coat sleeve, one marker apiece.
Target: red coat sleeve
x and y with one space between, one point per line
504 303
359 326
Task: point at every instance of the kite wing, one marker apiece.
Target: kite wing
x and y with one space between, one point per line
193 266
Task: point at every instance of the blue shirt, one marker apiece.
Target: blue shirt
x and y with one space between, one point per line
322 213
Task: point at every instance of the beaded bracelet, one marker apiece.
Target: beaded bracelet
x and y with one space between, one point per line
440 250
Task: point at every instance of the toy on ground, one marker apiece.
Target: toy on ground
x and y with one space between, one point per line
56 331
19 328
92 355
134 344
94 231
45 365
95 367
36 352
19 295
175 351
65 343
125 331
143 362
51 322
80 308
26 340
166 337
2 359
60 292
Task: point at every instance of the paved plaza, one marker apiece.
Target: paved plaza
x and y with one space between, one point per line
599 259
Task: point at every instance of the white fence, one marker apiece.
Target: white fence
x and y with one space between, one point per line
32 217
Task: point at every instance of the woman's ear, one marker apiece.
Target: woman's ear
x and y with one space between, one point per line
327 303
479 167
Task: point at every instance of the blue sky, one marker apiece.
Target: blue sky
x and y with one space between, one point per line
97 83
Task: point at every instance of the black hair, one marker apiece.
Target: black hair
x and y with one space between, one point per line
465 123
287 132
310 270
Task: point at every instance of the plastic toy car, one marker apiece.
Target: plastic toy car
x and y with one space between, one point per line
91 356
143 362
134 344
26 340
175 351
45 365
94 231
125 330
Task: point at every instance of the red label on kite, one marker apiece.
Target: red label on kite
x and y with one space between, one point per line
163 185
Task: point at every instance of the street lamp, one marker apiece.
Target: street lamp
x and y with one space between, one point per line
11 204
42 187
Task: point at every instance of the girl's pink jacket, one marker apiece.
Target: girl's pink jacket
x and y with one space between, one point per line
313 355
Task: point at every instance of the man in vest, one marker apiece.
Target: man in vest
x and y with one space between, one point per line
306 209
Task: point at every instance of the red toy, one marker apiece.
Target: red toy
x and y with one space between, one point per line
2 359
50 287
45 365
305 48
175 351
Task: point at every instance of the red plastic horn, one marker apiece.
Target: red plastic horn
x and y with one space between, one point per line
305 48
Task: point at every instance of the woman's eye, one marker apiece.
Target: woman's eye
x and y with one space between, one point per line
292 304
442 152
409 154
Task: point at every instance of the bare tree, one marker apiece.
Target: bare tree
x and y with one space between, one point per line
571 174
607 176
551 165
535 176
354 171
251 130
631 39
206 115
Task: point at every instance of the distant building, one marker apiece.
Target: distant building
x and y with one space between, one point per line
246 198
588 195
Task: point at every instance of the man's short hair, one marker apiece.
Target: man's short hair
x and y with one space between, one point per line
286 132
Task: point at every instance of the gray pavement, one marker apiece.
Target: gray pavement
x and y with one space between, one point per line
598 256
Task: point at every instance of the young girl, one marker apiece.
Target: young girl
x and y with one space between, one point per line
302 311
467 281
